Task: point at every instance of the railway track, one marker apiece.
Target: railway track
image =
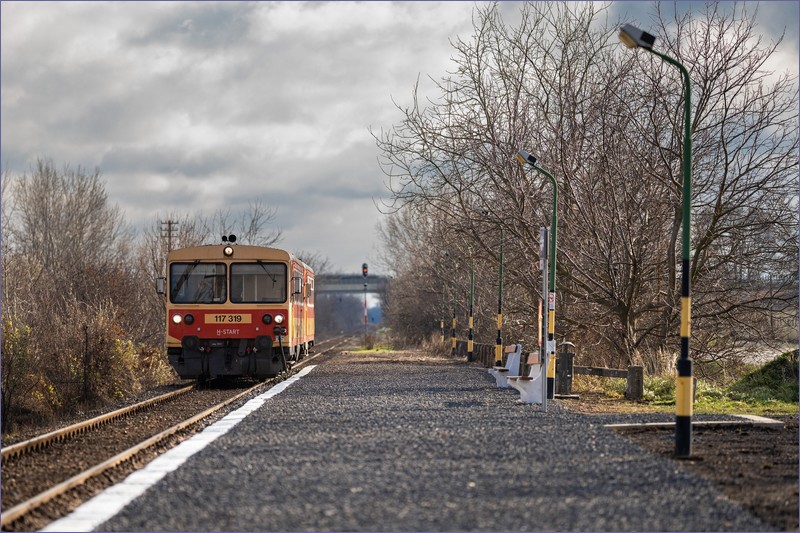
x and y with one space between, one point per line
45 477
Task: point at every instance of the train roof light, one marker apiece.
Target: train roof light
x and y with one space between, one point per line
228 250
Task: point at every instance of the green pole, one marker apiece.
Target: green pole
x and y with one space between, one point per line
453 331
633 37
498 349
470 337
683 391
551 300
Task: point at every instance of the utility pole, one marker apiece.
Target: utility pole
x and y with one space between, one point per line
168 229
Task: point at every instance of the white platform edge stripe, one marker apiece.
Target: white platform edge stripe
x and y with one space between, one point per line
746 419
105 505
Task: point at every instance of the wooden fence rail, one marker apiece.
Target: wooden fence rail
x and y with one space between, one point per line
634 376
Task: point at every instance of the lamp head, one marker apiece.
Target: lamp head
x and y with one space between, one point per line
524 157
631 36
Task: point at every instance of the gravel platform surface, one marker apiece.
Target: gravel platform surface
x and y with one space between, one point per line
372 444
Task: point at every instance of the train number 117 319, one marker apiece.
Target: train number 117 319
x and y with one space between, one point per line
227 319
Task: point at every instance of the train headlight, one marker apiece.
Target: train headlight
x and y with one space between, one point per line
267 319
228 251
177 319
189 319
279 319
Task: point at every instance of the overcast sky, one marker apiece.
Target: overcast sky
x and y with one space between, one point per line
189 107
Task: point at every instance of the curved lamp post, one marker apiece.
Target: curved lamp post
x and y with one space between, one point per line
633 37
525 158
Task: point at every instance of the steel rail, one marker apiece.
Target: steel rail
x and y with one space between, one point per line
20 510
41 441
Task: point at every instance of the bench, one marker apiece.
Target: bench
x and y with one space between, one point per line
530 386
511 367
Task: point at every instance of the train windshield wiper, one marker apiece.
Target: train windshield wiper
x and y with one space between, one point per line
270 274
185 276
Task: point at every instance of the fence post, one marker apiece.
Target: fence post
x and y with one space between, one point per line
565 368
635 389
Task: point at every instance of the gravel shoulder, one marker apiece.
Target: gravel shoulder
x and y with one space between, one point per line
754 466
377 442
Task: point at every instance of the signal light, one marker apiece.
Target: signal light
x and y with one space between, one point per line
364 270
267 319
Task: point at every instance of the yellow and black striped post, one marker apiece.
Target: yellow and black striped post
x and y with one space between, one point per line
453 331
470 338
684 397
544 315
441 331
684 401
551 343
498 348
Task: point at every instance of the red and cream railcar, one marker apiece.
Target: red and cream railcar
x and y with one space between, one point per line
235 310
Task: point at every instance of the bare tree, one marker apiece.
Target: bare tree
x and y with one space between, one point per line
318 262
744 134
555 83
249 226
66 278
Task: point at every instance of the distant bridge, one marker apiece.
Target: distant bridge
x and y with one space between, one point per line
349 283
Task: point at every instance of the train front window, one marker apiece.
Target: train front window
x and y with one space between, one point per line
197 283
258 282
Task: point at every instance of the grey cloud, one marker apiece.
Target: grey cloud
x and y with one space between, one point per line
196 105
205 26
164 160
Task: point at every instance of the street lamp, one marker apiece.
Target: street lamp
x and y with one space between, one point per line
633 37
525 158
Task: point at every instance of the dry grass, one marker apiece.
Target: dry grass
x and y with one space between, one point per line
592 402
393 356
597 397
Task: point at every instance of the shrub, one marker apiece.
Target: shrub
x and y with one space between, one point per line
659 389
776 380
18 367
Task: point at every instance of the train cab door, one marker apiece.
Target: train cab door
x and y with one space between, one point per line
308 308
297 309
